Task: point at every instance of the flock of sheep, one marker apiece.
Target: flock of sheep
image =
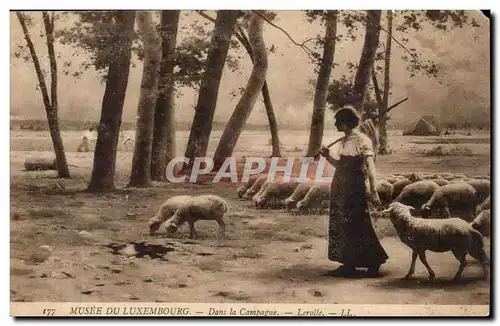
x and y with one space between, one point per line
405 197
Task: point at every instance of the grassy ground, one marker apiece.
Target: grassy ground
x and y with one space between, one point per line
267 256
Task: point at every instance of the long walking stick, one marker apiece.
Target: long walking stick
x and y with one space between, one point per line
376 117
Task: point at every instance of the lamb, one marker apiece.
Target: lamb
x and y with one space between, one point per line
384 190
484 205
298 194
482 187
482 222
398 187
166 210
314 198
418 193
257 185
460 196
203 207
246 185
275 193
437 235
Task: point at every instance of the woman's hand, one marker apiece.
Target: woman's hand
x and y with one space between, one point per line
374 198
325 151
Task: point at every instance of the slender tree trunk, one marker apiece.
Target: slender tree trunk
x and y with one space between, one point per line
164 128
140 175
207 98
321 93
103 170
50 108
247 101
363 74
378 95
382 127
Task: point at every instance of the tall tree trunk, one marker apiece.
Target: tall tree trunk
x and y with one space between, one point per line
273 126
382 127
103 170
247 101
321 93
140 175
363 74
378 95
164 128
207 98
50 108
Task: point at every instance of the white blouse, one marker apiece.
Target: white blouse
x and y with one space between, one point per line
355 144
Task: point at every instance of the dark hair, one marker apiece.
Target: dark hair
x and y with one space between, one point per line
347 115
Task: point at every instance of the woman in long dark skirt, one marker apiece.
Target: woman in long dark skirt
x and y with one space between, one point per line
352 239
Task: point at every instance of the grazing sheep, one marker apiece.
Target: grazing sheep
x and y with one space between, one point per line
482 222
257 185
298 194
398 187
482 187
418 193
439 235
166 210
275 194
261 190
484 205
204 207
440 181
416 176
315 198
246 185
392 179
460 196
384 190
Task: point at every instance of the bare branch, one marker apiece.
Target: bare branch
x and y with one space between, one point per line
400 44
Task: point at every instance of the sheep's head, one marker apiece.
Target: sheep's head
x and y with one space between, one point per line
261 201
289 203
425 210
172 228
240 191
397 209
154 225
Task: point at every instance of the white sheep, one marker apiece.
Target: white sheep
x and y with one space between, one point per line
459 196
257 185
203 207
246 185
484 205
482 222
298 194
384 190
440 181
398 187
392 178
166 210
482 187
275 194
261 190
437 235
315 197
418 193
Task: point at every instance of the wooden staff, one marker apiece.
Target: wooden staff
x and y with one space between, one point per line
376 117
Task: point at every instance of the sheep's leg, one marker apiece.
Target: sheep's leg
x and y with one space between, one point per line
423 259
447 211
463 262
411 271
222 227
192 231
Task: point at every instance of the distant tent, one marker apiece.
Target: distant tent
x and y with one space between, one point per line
425 126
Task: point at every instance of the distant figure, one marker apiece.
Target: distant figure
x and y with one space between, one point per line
447 132
469 133
84 145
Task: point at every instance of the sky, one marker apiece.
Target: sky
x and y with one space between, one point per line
463 55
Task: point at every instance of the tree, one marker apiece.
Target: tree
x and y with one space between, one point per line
363 74
382 121
164 128
320 95
50 104
118 26
140 175
247 101
207 98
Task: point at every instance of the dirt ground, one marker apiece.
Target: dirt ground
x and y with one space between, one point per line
268 256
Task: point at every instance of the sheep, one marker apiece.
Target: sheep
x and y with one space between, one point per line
440 181
275 193
257 185
439 235
315 197
483 206
246 185
392 179
482 187
415 176
482 222
398 187
203 207
384 190
418 193
297 195
460 196
166 210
